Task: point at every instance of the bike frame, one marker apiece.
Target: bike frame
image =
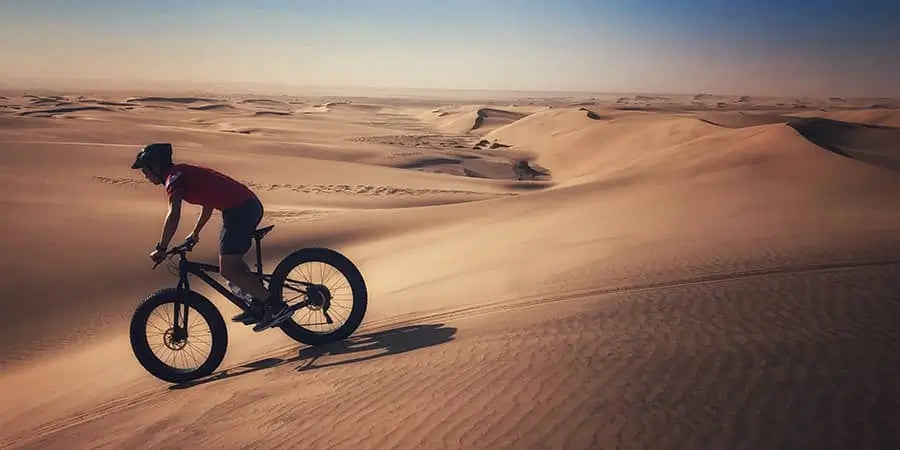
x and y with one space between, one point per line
200 270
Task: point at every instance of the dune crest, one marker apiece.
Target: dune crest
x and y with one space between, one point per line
475 120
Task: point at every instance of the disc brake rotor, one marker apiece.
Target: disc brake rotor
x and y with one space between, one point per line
172 342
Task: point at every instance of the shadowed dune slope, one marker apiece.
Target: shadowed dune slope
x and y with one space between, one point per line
878 145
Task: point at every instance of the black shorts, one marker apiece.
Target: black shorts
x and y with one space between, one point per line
238 225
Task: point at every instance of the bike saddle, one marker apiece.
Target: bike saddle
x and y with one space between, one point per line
262 231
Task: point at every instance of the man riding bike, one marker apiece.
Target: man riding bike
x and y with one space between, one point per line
241 213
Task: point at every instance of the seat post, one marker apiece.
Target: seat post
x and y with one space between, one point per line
259 270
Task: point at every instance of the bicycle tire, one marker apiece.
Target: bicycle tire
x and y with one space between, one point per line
347 269
145 355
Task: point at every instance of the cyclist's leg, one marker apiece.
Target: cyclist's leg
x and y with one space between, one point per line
235 240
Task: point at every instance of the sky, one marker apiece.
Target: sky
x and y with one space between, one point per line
760 47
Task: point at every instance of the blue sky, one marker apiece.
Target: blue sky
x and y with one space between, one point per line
800 47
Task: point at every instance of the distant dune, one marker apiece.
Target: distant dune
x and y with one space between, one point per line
330 104
591 114
886 116
64 110
352 106
168 100
272 113
740 119
212 107
486 118
574 145
475 120
104 102
262 101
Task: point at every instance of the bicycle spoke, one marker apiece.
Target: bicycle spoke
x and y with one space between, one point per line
196 339
169 317
295 298
160 330
189 350
338 287
331 274
342 317
309 270
183 359
333 304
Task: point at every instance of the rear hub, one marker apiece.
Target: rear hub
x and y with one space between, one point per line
319 297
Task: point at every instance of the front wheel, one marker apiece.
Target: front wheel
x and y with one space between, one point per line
328 291
178 339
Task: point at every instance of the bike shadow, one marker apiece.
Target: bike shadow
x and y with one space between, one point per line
389 342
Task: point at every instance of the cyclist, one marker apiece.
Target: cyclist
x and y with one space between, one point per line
241 213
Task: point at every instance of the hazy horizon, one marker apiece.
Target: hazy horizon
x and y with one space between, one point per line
822 48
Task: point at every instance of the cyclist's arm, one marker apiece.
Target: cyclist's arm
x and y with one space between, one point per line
172 219
201 221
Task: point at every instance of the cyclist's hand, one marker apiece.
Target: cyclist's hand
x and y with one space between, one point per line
157 256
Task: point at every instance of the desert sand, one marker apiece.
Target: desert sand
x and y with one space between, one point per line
606 271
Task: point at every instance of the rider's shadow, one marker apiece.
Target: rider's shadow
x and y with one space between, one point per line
375 345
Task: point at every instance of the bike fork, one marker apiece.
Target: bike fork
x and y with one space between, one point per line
180 316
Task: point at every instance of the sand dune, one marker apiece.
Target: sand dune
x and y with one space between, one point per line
591 114
870 143
478 121
262 101
105 102
271 113
168 100
48 101
489 118
741 119
574 145
63 110
211 107
351 106
886 117
671 278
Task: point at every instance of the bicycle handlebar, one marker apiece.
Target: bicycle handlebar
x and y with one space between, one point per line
183 248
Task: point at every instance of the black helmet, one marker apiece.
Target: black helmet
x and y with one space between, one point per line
153 153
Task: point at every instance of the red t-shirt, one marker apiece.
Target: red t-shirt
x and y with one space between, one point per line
204 186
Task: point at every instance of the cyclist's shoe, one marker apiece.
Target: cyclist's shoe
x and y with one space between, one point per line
251 315
274 312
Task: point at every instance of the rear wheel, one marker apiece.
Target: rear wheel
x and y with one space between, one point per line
330 291
178 340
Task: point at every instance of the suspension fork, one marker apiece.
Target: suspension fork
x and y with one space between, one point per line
180 316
